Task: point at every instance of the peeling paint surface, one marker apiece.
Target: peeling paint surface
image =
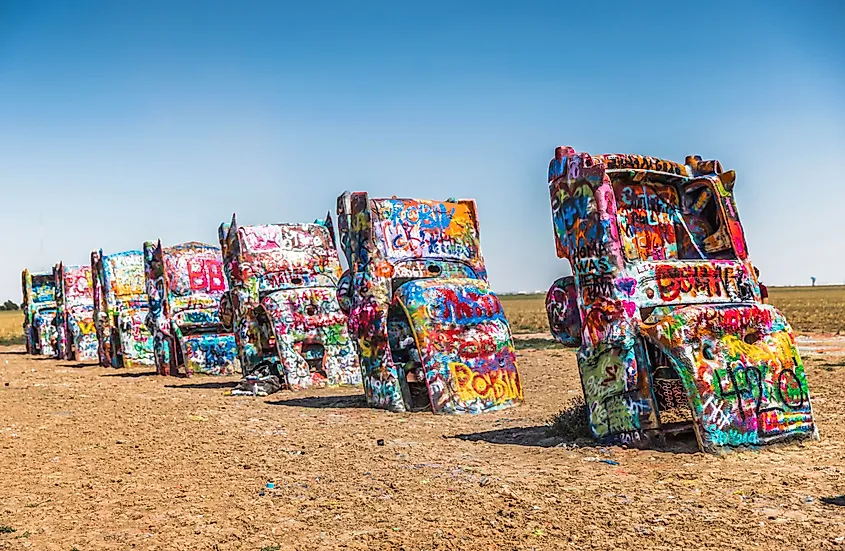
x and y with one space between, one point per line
120 309
283 304
184 285
430 332
77 335
665 308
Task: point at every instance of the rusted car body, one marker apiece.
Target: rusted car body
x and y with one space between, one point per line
664 306
184 285
283 305
39 309
76 334
431 333
120 309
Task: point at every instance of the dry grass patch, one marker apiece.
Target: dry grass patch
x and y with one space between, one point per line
812 309
11 327
526 313
571 422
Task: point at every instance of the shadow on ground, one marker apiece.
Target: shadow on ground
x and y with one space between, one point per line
130 375
539 436
518 436
15 352
79 365
211 385
354 401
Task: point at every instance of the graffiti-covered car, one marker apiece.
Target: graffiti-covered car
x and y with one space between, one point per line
76 334
39 309
184 286
664 306
283 306
431 333
120 309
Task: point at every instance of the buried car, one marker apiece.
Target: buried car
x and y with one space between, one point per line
76 334
184 285
120 309
39 310
283 306
665 307
431 333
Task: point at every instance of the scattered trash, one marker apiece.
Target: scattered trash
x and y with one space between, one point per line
484 481
247 467
270 485
380 442
600 460
262 381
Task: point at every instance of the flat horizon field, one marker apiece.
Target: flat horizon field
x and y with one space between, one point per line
819 309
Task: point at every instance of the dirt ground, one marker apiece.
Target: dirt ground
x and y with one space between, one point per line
94 458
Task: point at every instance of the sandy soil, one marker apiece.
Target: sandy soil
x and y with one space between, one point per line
93 458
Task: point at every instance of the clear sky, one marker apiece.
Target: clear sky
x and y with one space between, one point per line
122 122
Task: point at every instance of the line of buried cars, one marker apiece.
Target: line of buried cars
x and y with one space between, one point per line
663 306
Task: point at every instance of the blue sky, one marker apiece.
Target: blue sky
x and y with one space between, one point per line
127 121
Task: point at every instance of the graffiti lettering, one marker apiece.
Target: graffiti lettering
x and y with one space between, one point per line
497 386
704 279
642 162
463 307
206 275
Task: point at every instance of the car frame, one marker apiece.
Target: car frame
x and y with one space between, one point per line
77 334
665 309
120 309
184 284
282 304
39 309
431 333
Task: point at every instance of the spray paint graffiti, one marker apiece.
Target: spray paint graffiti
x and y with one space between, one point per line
742 371
431 333
184 285
120 309
665 307
563 313
39 308
76 334
283 304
